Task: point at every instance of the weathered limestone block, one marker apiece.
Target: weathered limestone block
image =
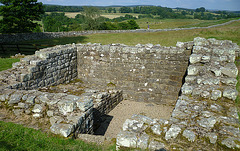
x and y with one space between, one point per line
56 119
229 81
193 70
127 139
230 70
190 135
187 89
205 94
231 143
216 94
195 58
173 132
216 71
38 108
142 141
62 129
66 106
230 93
133 125
206 59
212 137
198 41
15 98
207 122
84 103
156 129
155 145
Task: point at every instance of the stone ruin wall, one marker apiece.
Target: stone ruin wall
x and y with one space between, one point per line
145 73
204 114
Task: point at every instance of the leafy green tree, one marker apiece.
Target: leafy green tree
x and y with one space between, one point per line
18 15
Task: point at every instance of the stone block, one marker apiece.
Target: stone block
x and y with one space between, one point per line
127 139
173 132
66 106
230 70
38 108
156 145
156 129
84 103
207 122
216 94
62 129
187 89
15 98
230 93
198 41
193 70
190 135
195 58
142 141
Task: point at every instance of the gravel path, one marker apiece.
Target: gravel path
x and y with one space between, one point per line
124 110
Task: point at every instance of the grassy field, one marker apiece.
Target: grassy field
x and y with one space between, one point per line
6 63
115 15
17 137
177 23
169 38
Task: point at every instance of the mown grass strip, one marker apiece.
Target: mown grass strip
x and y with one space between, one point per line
6 63
17 137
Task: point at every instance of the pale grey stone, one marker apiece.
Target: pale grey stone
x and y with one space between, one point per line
218 51
193 70
142 141
206 59
230 142
62 129
195 58
190 79
15 98
84 103
66 106
127 139
156 129
142 118
233 112
230 93
49 113
186 89
21 105
173 132
4 97
207 122
180 44
38 108
229 81
216 71
212 137
30 99
216 94
197 91
37 115
198 41
155 145
216 108
56 119
205 94
211 81
18 112
230 70
133 125
190 135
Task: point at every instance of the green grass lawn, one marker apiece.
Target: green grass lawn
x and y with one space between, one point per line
6 63
17 137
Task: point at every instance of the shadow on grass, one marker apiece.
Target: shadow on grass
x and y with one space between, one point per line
56 41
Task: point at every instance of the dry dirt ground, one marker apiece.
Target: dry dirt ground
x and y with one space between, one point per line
115 119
